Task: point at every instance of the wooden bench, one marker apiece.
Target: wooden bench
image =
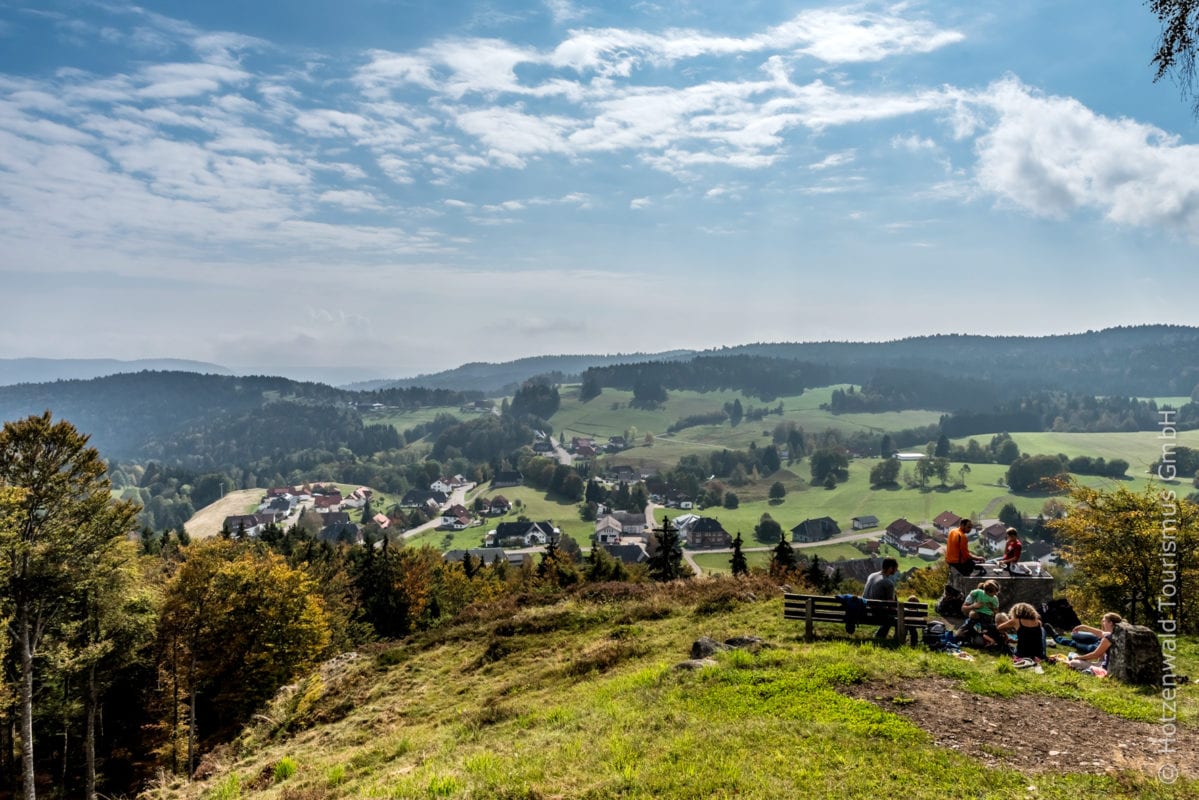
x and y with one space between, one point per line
812 608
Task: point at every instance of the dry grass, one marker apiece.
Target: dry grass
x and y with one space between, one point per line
207 521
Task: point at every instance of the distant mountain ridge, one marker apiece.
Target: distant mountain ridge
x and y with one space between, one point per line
46 370
484 376
1166 358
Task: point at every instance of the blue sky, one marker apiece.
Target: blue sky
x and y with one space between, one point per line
407 186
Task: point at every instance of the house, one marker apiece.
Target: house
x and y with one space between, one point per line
487 555
522 534
994 535
871 546
631 524
608 530
455 511
416 497
455 518
454 524
248 524
335 518
707 532
898 529
278 491
280 505
909 456
624 474
343 532
585 451
581 441
904 536
498 505
507 478
442 485
627 553
946 520
543 446
617 442
327 502
381 520
684 521
862 523
815 530
930 549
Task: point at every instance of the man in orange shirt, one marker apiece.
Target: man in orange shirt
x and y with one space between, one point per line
957 549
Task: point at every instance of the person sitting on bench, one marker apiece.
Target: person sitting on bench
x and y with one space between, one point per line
881 586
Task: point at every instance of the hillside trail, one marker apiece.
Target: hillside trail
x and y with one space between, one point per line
206 522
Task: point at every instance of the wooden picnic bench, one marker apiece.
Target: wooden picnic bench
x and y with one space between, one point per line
812 608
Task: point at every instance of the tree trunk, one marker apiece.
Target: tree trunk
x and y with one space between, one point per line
191 733
27 774
89 737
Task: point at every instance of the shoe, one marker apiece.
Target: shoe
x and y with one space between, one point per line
1023 663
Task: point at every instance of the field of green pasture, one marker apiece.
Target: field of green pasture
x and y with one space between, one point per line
610 415
982 496
403 420
1138 448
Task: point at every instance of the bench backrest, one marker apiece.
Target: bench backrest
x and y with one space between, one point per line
830 609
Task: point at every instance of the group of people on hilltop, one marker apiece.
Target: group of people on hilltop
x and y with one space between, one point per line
981 607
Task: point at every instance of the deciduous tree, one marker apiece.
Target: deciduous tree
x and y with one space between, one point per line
56 517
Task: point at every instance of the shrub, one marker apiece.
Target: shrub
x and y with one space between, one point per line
285 769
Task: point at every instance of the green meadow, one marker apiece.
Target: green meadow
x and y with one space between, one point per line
403 420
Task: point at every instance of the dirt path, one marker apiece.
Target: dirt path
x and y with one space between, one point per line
207 521
1028 732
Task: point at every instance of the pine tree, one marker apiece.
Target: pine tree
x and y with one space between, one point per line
666 564
782 559
740 566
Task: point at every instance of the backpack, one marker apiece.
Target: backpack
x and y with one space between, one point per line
1060 614
934 635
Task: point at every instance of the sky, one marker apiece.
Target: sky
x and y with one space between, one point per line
395 187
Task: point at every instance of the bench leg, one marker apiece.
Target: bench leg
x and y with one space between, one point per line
899 633
810 610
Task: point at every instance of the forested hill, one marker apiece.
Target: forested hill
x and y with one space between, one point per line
1144 360
505 377
210 420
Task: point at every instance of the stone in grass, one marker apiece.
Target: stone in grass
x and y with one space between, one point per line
695 663
751 643
705 646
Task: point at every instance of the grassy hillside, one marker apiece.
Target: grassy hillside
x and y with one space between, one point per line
610 415
581 699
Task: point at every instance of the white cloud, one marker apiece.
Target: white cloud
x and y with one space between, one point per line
835 160
638 203
1054 156
351 198
563 11
914 144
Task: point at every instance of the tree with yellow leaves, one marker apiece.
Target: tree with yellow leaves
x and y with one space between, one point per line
1136 553
237 623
